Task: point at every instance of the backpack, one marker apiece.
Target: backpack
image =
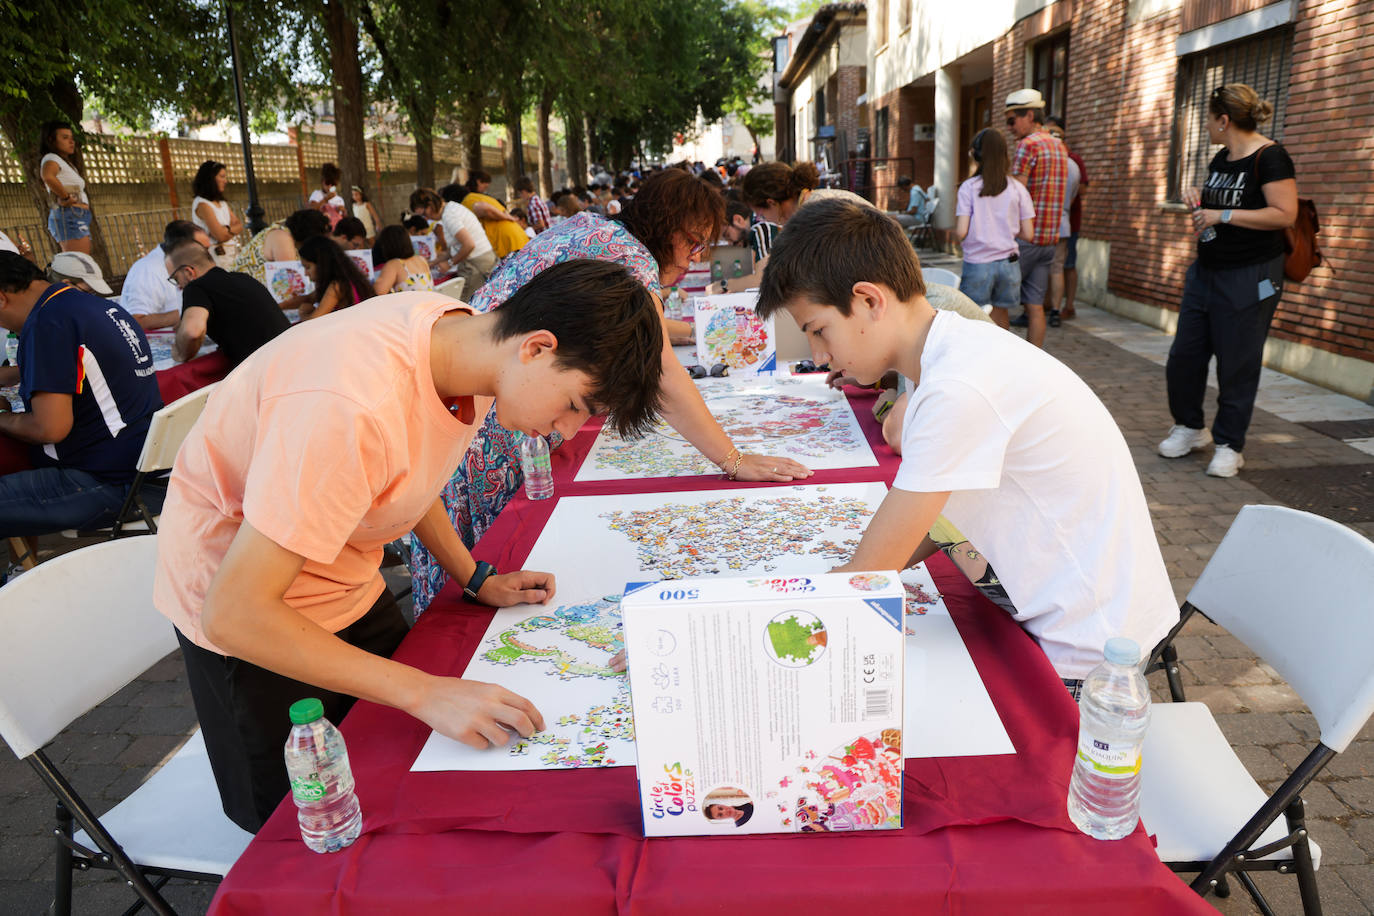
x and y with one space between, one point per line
1301 253
1300 241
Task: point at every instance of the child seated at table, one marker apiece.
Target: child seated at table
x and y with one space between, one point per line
1005 440
337 438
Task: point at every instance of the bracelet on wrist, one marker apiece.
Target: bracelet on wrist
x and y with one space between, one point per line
483 572
734 471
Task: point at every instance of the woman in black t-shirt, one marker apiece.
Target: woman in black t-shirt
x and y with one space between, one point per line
1250 196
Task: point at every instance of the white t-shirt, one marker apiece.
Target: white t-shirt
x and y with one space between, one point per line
335 200
1071 181
1043 485
146 290
7 245
455 217
67 176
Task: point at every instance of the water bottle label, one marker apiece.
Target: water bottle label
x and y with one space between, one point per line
1108 760
308 789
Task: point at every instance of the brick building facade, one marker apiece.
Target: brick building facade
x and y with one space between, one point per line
1131 78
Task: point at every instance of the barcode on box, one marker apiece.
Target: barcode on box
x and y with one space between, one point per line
877 702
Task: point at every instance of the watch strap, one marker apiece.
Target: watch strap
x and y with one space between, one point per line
479 575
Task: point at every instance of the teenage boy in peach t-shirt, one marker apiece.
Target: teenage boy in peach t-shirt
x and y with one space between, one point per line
336 438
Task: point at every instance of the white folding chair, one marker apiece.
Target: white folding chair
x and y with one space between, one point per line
453 288
168 429
941 275
77 629
1298 590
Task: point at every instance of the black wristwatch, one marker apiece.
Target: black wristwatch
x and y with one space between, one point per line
479 575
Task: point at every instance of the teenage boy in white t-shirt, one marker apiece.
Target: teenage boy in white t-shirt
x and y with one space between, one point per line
1006 441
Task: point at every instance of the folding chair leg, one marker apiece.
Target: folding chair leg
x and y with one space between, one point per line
62 901
109 849
1169 658
25 551
1255 895
1302 860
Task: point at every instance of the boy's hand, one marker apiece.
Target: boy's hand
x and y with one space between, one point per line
766 467
476 713
523 586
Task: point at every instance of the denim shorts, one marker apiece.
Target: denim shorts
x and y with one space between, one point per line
996 282
1071 259
68 223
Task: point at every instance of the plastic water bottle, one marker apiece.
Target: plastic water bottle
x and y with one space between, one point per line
321 781
1206 235
1114 712
12 349
534 461
739 269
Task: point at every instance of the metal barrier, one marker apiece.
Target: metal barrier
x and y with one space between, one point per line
128 236
861 177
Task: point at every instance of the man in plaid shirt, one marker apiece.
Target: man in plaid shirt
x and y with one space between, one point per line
536 210
1041 164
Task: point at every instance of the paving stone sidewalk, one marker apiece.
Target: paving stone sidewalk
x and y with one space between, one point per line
110 750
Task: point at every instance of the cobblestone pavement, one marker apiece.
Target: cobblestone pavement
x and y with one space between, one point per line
111 749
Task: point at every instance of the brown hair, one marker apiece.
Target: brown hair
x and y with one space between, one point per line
670 202
778 181
830 245
1241 104
425 197
990 149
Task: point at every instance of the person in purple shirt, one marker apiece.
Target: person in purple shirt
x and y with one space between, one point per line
991 214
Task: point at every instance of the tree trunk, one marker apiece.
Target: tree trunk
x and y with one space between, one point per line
422 129
20 137
541 115
470 129
593 147
515 150
577 149
341 32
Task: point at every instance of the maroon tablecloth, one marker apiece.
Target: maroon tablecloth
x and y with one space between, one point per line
192 375
983 834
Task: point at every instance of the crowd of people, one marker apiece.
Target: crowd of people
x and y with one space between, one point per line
401 412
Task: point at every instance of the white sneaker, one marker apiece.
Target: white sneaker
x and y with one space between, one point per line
1183 440
1226 461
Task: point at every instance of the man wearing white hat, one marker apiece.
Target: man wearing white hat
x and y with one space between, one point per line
1041 164
80 270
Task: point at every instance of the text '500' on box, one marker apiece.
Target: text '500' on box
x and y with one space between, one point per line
767 705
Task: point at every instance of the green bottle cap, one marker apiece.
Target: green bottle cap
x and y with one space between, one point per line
303 712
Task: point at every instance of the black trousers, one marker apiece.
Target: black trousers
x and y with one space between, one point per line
243 713
1222 314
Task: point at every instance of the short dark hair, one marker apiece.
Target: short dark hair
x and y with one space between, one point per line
524 183
329 172
454 192
668 203
203 185
189 251
1055 121
350 227
17 273
305 224
904 181
607 326
178 230
828 246
392 242
417 222
425 197
734 208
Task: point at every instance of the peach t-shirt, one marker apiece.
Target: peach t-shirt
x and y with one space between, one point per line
332 441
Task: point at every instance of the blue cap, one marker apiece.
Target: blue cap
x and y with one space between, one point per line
1122 651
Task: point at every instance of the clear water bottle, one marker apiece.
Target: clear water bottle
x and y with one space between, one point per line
321 781
1114 712
1206 235
534 461
12 349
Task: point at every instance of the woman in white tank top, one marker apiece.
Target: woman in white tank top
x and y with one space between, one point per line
212 213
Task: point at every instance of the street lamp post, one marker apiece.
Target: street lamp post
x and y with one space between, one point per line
255 212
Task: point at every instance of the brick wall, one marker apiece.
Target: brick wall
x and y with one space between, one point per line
1120 112
849 86
907 107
